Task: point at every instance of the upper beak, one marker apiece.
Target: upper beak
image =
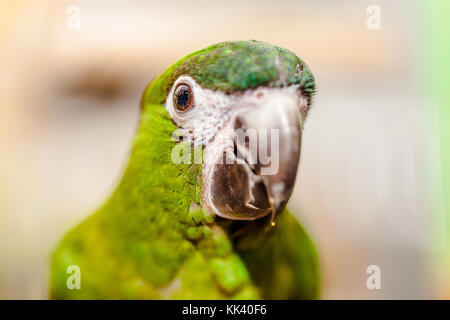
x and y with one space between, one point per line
278 122
269 152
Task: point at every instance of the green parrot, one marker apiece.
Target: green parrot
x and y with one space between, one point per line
199 213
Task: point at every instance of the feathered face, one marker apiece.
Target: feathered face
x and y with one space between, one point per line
244 103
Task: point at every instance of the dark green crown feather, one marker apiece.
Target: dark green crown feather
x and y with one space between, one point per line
236 66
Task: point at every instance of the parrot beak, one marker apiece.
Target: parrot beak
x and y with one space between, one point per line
278 123
258 177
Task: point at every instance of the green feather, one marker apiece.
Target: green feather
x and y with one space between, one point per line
235 66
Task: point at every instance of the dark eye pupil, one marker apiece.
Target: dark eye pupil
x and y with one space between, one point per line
183 98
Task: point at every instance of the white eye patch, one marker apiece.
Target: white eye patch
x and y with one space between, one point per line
212 110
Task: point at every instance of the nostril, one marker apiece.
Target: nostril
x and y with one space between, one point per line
238 124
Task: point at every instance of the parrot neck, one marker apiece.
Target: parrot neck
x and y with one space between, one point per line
154 192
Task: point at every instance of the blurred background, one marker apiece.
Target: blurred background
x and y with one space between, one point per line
372 179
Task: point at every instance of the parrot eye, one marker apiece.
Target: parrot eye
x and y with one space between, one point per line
182 97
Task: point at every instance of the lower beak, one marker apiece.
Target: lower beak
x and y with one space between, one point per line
260 178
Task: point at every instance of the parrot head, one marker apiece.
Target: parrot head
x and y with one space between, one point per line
243 103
